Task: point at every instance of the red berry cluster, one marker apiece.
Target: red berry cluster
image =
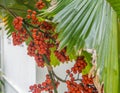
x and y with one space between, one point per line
38 47
40 5
77 85
79 65
31 49
35 89
85 86
17 22
73 87
46 26
19 37
45 86
61 56
17 40
40 43
32 15
87 80
88 85
39 60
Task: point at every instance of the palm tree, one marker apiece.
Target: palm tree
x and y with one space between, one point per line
84 24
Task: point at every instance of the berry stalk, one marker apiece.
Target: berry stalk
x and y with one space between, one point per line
50 73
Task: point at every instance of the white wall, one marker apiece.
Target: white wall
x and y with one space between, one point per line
18 67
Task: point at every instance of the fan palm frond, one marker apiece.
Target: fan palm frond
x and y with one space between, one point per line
91 24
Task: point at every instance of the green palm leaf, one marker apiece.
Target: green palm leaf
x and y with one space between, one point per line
61 4
116 5
92 24
119 48
8 21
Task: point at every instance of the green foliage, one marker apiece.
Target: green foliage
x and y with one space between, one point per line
8 27
54 61
30 4
12 8
72 20
115 5
40 19
28 41
88 59
60 5
118 40
7 3
111 66
72 55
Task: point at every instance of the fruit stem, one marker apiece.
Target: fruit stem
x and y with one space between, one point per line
30 34
50 73
38 27
58 77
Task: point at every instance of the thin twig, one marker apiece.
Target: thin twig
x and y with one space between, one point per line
78 80
66 76
58 77
78 75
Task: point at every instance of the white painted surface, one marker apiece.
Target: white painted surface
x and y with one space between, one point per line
9 89
18 67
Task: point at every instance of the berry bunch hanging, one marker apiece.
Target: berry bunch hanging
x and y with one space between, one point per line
17 22
40 5
45 86
61 55
77 84
79 65
20 35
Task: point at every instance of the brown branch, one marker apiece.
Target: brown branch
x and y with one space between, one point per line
58 77
78 80
64 81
